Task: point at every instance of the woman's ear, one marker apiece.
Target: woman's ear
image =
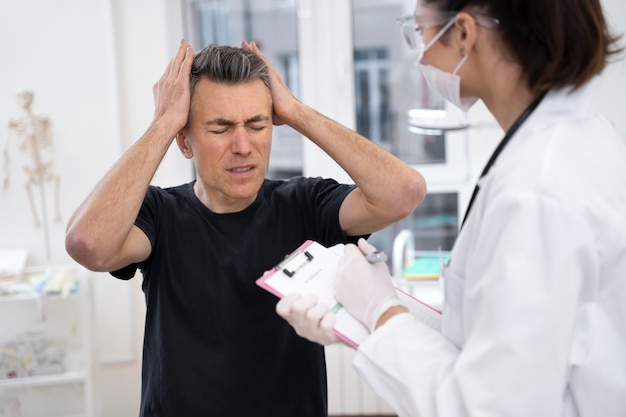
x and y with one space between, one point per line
183 144
466 32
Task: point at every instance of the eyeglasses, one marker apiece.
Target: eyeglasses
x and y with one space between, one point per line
411 25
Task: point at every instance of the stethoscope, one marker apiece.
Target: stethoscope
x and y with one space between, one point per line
505 140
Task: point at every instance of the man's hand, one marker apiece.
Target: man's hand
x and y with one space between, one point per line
309 319
364 289
282 98
172 95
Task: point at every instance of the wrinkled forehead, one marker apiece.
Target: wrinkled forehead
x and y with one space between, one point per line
230 100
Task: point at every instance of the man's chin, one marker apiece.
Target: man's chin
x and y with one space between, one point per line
247 191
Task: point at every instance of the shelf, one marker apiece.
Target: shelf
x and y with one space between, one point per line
34 297
58 312
44 380
36 282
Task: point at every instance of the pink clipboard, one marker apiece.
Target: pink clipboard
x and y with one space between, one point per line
312 269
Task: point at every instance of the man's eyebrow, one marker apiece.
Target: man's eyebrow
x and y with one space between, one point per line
220 121
257 118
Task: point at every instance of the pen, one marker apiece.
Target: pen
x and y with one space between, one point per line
377 256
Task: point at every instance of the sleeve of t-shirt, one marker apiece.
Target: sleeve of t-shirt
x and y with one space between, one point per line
145 221
327 196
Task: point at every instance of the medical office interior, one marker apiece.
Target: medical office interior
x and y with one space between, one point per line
76 91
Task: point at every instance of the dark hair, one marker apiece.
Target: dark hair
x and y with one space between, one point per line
558 42
228 65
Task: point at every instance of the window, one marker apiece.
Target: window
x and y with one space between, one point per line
396 109
371 78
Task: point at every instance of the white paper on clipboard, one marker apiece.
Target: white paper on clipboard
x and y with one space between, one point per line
312 269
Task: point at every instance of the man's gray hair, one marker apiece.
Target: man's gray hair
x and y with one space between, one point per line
228 65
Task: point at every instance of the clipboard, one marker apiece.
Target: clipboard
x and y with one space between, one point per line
312 269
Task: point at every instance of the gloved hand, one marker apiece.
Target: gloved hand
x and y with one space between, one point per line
310 319
364 289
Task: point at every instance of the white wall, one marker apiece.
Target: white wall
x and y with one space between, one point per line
91 65
62 52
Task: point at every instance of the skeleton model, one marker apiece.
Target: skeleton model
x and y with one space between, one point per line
33 134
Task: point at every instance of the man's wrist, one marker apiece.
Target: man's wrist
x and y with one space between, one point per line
389 313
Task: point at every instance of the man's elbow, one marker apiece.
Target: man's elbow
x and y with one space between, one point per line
412 194
84 250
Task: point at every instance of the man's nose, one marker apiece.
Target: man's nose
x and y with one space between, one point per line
240 141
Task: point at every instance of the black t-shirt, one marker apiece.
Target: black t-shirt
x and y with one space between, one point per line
213 343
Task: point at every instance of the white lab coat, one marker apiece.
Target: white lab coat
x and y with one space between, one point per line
534 317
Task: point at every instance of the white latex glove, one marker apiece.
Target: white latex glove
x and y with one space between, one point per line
364 289
310 319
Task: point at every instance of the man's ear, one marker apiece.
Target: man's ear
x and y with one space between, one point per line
183 144
466 32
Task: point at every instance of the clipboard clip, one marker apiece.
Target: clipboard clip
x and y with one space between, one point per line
294 261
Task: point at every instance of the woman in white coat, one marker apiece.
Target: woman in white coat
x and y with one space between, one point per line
534 318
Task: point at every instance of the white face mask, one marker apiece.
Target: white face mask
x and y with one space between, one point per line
448 85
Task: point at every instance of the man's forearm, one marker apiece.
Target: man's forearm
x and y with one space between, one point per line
99 227
390 187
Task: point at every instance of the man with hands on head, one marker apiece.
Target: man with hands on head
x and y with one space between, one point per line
213 344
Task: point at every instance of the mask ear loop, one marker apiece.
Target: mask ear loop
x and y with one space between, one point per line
460 64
